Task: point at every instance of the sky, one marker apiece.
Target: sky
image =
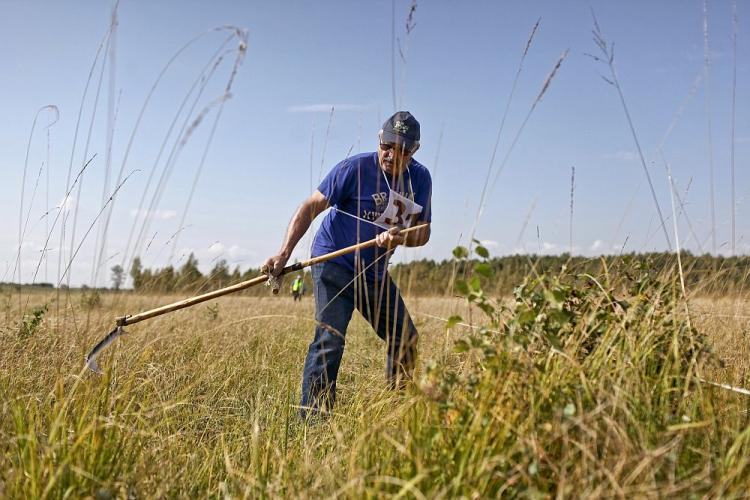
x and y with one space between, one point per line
146 99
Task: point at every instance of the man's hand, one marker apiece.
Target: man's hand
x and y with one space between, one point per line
390 238
274 265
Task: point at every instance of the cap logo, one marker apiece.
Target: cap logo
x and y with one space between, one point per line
400 127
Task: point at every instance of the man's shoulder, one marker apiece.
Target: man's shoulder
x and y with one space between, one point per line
419 171
351 163
361 159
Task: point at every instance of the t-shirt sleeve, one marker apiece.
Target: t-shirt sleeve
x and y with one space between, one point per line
423 196
338 184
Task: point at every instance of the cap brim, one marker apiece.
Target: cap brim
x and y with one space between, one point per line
393 138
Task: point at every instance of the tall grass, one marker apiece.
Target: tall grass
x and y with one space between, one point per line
607 57
577 385
732 171
709 128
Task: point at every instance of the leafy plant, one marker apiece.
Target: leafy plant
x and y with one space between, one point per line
212 312
569 357
31 322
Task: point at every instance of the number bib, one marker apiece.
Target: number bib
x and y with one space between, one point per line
401 212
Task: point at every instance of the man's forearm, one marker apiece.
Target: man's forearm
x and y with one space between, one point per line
300 223
417 238
298 226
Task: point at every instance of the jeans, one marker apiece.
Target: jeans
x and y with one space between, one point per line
335 299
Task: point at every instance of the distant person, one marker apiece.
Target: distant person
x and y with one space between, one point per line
371 195
297 288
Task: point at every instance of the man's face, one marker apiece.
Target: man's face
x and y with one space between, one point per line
394 158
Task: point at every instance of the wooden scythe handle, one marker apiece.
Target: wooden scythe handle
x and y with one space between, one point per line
136 318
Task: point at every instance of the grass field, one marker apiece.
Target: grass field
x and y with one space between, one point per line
202 402
608 380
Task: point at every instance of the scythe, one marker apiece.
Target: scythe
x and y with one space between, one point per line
123 321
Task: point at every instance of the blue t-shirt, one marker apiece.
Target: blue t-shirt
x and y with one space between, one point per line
358 186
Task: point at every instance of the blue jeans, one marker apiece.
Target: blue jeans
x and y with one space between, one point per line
335 299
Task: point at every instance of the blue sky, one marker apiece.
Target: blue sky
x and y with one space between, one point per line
303 58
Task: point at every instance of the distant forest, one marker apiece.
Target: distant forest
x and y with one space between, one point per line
704 274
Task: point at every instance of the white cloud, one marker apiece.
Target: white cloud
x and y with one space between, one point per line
235 251
324 108
596 246
185 251
210 255
489 243
217 248
549 247
621 156
154 214
67 204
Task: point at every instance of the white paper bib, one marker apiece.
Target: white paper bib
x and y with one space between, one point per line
401 212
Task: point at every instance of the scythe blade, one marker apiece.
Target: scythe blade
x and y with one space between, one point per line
91 363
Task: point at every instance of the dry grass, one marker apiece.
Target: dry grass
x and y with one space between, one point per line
192 400
202 402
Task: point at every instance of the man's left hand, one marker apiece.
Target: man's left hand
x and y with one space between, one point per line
390 238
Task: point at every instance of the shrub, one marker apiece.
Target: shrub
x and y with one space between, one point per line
31 322
568 383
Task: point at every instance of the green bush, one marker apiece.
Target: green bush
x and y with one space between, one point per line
31 322
567 383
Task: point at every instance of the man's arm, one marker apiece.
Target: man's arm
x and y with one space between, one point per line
419 237
300 223
392 238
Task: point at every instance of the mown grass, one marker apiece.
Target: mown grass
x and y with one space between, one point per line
571 389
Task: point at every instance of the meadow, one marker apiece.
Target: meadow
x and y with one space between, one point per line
569 387
538 377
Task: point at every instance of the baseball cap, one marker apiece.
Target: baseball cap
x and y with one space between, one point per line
401 128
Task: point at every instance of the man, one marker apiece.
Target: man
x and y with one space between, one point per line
371 195
297 288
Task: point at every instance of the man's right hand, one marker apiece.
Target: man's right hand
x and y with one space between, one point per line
274 265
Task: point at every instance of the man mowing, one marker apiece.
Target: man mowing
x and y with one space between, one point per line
371 195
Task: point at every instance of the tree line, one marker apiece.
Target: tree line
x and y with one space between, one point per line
186 278
702 273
